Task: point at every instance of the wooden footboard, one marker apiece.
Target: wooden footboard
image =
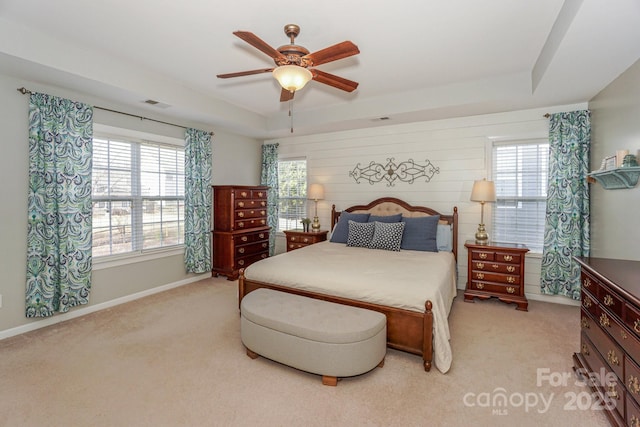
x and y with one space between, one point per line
407 331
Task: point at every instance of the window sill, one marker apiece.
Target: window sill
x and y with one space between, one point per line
133 258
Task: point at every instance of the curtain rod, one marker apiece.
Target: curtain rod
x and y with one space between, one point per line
546 116
26 91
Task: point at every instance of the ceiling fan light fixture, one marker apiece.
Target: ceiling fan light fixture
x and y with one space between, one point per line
292 77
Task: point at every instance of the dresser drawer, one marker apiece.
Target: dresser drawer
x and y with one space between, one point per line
250 213
250 223
251 237
610 351
496 277
246 261
610 299
250 204
252 248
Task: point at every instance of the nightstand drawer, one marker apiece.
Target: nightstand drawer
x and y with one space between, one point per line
497 288
507 257
496 267
496 277
297 239
483 255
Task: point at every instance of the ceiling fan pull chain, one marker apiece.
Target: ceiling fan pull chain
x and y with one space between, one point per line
291 113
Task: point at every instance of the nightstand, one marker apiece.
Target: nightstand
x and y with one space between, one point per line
496 270
297 239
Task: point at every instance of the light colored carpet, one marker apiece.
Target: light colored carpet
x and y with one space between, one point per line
175 359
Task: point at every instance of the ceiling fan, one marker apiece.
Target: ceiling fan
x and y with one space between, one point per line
293 63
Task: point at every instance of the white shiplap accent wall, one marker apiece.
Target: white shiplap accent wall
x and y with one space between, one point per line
460 147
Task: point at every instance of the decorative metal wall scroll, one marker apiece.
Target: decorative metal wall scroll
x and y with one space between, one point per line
407 171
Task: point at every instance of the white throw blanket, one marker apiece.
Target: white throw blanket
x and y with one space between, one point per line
405 279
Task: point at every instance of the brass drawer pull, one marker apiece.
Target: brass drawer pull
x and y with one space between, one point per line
511 279
263 204
263 256
585 350
604 320
586 302
586 283
635 422
261 235
480 276
241 204
263 222
241 262
623 334
263 213
633 384
608 300
613 393
305 240
495 266
241 224
613 358
260 193
480 265
511 289
636 326
243 194
483 256
480 285
244 238
511 268
241 250
265 244
241 214
508 258
584 323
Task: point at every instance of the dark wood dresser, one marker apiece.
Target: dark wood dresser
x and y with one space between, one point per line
496 270
297 239
240 230
609 354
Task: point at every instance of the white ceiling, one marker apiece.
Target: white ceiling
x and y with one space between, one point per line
419 60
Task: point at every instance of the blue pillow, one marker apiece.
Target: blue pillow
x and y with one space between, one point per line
360 233
387 236
386 218
341 230
444 238
420 233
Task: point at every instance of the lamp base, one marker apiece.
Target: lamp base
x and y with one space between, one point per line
481 234
315 225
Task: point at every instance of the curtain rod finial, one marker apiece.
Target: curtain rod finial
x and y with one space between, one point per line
23 90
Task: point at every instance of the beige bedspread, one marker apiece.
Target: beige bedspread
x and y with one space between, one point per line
405 279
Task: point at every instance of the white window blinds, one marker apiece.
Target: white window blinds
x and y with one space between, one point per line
520 175
292 193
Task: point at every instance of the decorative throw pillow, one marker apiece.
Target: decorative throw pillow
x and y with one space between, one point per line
360 233
341 230
387 236
420 233
444 238
386 218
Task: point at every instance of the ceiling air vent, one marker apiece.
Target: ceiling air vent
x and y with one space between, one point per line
156 103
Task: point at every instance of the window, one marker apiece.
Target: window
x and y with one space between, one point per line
138 196
292 193
520 175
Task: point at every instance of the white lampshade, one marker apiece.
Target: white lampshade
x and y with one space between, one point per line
292 77
483 191
315 192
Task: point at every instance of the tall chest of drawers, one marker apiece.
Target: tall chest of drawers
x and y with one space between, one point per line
240 230
609 356
496 270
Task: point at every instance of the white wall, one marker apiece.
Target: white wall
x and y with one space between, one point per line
460 147
236 160
615 125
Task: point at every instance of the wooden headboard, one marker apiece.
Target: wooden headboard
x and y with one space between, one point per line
391 206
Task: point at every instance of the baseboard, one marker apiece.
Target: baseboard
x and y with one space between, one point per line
77 312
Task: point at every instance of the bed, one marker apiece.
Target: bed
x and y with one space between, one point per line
413 288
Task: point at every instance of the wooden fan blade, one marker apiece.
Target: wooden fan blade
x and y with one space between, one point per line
332 53
286 95
333 80
259 44
244 73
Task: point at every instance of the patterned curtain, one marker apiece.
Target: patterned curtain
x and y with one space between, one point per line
59 234
197 201
566 231
270 178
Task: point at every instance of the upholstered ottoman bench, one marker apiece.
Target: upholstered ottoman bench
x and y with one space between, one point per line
324 338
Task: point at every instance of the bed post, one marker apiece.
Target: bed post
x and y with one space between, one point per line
427 334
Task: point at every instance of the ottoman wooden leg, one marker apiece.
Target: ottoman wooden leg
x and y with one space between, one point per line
252 354
381 364
332 381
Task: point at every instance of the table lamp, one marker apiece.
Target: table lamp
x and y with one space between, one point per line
315 193
483 191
